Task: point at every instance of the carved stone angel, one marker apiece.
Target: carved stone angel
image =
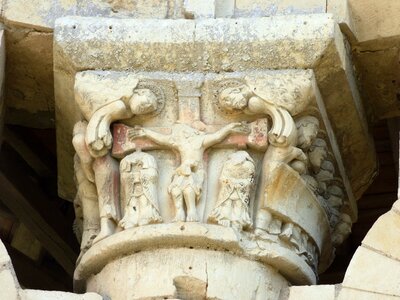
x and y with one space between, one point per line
139 190
236 181
103 100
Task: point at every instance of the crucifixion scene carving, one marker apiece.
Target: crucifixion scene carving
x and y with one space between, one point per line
199 149
155 167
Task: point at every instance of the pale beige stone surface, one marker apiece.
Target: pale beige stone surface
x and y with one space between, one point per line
396 206
55 295
383 236
187 274
341 11
372 30
314 292
41 14
285 224
271 253
375 19
261 8
200 9
8 288
219 45
368 269
350 294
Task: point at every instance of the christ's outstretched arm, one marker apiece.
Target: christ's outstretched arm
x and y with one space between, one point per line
220 135
156 137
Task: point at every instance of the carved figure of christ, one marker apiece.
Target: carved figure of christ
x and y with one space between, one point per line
191 143
190 138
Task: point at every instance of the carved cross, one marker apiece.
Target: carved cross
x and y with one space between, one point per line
189 113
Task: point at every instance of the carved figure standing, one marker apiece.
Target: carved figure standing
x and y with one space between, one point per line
283 131
237 178
87 220
103 101
283 138
187 181
139 177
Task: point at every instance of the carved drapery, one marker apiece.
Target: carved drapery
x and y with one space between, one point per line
247 152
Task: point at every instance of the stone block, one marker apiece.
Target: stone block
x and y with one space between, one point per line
191 236
396 207
375 19
8 288
195 9
384 235
381 64
217 45
312 292
187 274
261 8
367 271
29 82
350 294
41 14
224 8
56 295
155 9
38 14
341 12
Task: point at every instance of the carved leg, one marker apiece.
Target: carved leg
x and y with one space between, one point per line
90 222
147 213
130 218
177 197
106 171
241 218
87 205
225 216
263 221
107 226
190 200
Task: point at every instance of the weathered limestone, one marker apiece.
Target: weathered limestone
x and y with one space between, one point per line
184 272
199 148
372 29
376 257
213 50
326 292
11 290
186 193
206 121
262 8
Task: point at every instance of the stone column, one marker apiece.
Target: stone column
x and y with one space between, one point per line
249 196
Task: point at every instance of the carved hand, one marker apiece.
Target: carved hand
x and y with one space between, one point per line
239 127
98 136
136 132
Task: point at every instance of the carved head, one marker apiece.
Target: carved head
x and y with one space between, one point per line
137 164
307 128
336 190
143 101
239 157
235 98
318 153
